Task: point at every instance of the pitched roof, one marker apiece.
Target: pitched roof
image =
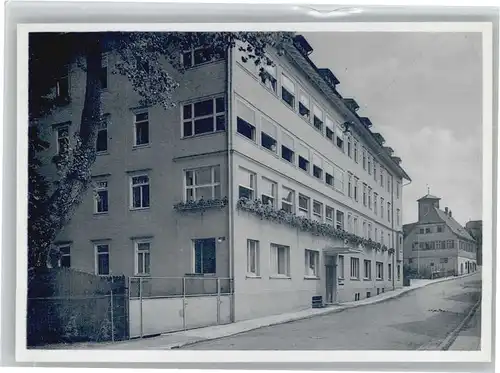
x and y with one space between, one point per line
428 196
454 225
407 228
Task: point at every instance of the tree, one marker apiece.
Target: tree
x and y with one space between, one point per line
142 58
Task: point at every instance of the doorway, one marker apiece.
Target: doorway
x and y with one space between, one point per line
330 279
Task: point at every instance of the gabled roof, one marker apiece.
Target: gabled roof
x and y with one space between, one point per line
407 228
453 225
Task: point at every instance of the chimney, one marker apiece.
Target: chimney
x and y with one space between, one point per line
446 210
450 214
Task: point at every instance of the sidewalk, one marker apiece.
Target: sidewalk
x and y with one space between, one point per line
180 339
469 339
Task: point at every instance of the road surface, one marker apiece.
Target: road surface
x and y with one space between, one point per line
419 319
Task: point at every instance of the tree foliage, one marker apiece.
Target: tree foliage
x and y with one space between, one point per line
142 57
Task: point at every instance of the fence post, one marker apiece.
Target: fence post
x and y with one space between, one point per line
112 314
140 304
184 303
218 301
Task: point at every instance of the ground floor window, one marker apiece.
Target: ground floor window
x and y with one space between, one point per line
340 266
253 257
389 271
380 270
399 272
368 269
355 268
204 256
142 257
280 260
65 256
311 263
102 259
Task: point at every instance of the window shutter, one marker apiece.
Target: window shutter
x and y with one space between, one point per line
245 113
269 128
288 84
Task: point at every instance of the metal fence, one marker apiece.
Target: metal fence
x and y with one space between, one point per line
166 304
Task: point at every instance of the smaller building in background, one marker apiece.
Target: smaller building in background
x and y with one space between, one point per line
437 245
475 229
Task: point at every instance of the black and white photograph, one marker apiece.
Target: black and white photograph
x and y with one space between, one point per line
270 189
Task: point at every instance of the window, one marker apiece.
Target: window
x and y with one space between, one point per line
399 272
356 296
329 214
318 118
349 146
317 167
140 191
381 237
428 230
142 257
340 220
101 197
245 120
201 55
381 177
356 180
329 171
268 76
64 256
253 258
369 231
398 212
440 229
62 86
389 271
268 135
349 222
365 230
355 225
380 271
141 129
369 164
375 203
349 185
246 184
101 259
340 138
450 244
203 183
356 151
443 260
367 269
389 242
288 200
375 237
287 147
329 128
364 195
369 198
288 91
381 207
204 256
389 179
374 169
438 245
62 139
389 212
364 159
338 179
304 110
304 205
205 116
269 191
102 135
280 260
304 158
103 75
422 231
398 186
340 266
317 211
355 268
311 263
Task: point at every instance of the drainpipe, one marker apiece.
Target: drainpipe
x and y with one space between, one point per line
393 243
394 255
231 204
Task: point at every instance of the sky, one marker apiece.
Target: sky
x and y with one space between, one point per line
423 93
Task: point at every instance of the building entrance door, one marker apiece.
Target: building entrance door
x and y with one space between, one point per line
330 279
461 268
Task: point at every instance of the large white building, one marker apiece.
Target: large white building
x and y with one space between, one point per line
295 203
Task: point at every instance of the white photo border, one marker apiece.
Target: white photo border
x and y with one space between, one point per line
169 356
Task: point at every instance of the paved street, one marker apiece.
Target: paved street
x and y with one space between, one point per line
418 319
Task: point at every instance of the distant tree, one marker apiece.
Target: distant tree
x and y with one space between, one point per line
141 60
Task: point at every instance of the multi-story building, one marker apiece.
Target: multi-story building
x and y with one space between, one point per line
475 229
437 242
288 190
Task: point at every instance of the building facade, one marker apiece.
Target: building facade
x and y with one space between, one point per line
437 243
254 177
475 229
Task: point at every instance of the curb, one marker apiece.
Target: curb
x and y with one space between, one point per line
446 344
336 310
